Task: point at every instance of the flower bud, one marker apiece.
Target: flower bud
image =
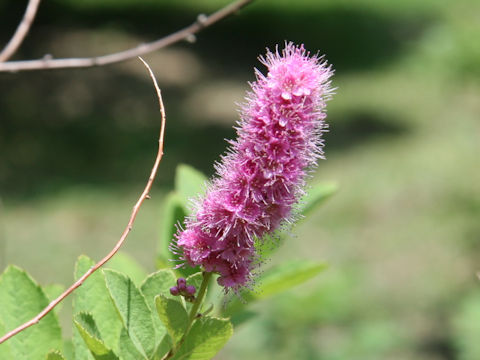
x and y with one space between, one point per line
181 283
191 290
174 291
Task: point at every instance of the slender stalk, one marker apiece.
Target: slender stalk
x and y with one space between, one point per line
21 32
145 195
193 315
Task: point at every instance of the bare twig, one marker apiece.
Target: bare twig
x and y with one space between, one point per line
202 22
21 32
125 233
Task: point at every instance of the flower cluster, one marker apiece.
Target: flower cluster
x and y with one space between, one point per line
263 174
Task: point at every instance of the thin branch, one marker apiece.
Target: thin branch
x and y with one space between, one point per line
21 32
186 33
136 208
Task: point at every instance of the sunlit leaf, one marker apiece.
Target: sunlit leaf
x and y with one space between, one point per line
158 283
128 350
88 330
127 265
21 299
173 315
93 297
133 309
173 213
276 280
189 183
5 352
54 355
316 195
207 336
52 291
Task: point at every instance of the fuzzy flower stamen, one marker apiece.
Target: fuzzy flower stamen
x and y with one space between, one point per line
263 173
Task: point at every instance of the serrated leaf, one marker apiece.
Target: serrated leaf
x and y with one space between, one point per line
207 336
88 330
21 299
155 284
55 355
316 196
276 280
128 351
133 309
173 315
189 183
127 265
158 283
93 297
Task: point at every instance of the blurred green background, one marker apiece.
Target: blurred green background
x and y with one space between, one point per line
402 235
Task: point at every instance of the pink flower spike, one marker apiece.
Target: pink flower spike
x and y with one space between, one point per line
263 173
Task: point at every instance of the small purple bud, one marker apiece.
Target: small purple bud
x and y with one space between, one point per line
181 283
191 290
174 291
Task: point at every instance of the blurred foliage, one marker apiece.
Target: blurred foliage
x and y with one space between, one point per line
402 235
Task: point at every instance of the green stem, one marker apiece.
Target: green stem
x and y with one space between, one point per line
193 314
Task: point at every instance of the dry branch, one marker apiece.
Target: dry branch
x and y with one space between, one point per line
21 32
186 33
128 228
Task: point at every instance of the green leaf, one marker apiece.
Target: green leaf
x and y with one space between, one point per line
173 315
54 355
93 297
133 309
21 299
125 264
242 316
286 276
195 280
276 280
162 348
158 283
128 350
5 352
88 330
52 291
68 349
174 212
189 183
207 336
466 327
155 284
316 196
